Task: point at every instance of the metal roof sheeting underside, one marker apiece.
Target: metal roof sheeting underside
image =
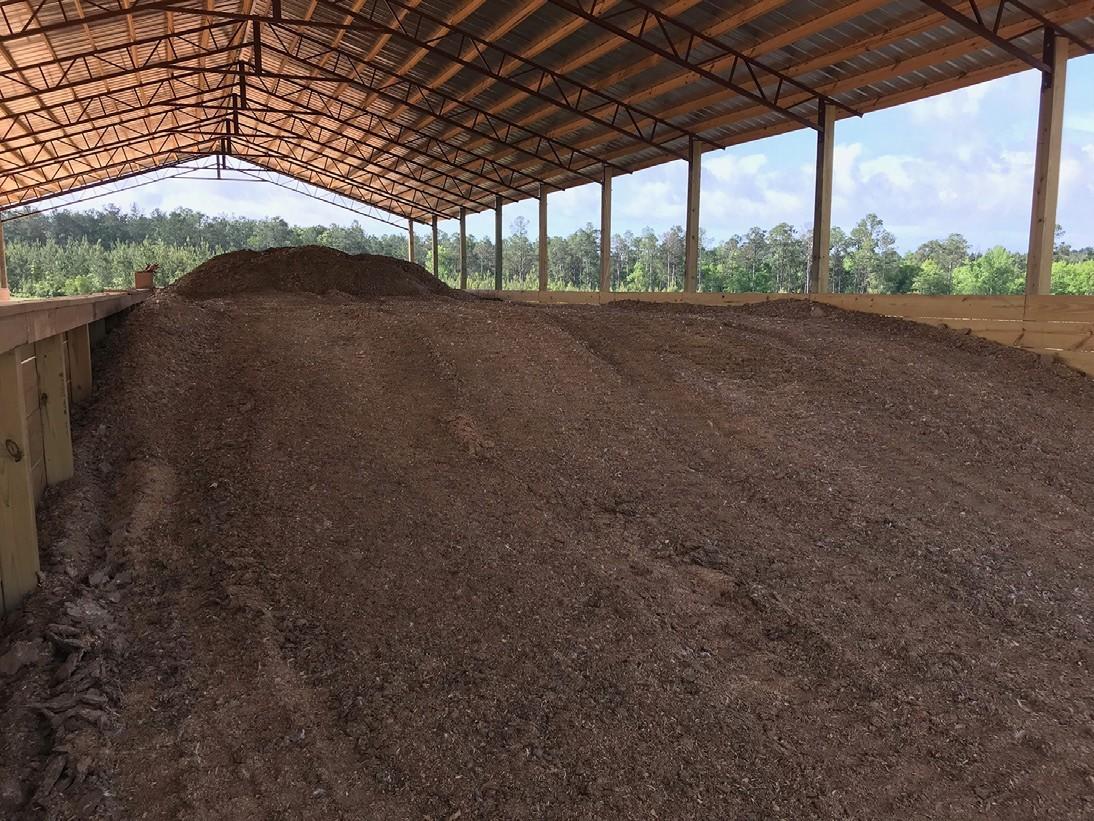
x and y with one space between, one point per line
422 107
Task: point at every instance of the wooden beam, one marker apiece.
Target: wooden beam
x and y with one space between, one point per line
49 359
5 292
879 75
606 232
411 255
498 280
23 321
822 201
79 363
436 256
542 248
1046 167
691 234
463 248
632 68
594 51
977 27
18 530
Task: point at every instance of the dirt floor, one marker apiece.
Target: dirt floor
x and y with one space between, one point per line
419 557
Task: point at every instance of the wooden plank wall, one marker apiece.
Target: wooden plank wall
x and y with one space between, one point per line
29 320
1062 326
32 403
32 407
44 349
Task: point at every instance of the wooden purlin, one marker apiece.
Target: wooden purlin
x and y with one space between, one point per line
313 152
390 181
398 89
364 159
952 51
367 161
442 165
848 11
317 177
110 170
78 77
491 173
681 79
455 68
111 137
493 128
120 117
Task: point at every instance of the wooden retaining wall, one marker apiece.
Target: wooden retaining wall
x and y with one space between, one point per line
1062 326
45 366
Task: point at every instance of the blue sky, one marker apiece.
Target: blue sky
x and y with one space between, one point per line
957 162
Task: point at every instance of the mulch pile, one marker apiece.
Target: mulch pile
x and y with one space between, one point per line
425 558
310 268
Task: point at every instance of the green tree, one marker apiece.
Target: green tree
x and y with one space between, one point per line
874 263
931 279
1074 278
996 272
788 253
58 252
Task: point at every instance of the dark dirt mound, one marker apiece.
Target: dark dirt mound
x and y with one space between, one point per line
425 558
309 268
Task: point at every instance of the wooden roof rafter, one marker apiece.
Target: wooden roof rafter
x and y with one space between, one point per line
430 106
368 156
733 19
319 176
116 163
605 110
395 184
453 155
506 134
302 152
177 121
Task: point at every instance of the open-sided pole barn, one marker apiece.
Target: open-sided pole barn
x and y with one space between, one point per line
432 110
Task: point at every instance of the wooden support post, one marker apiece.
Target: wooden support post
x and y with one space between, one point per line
1046 167
18 530
542 237
819 261
97 331
5 291
606 231
411 253
691 234
436 256
79 363
463 248
49 358
498 280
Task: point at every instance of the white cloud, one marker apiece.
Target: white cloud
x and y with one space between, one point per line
1079 121
729 168
897 171
742 190
957 105
657 201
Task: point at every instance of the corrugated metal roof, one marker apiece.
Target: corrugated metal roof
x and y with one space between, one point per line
421 107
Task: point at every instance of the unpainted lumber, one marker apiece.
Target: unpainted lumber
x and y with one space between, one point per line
18 532
79 363
56 430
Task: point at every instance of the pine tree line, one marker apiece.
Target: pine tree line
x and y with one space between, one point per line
67 252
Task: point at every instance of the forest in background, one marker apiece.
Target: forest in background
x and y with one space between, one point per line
73 252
